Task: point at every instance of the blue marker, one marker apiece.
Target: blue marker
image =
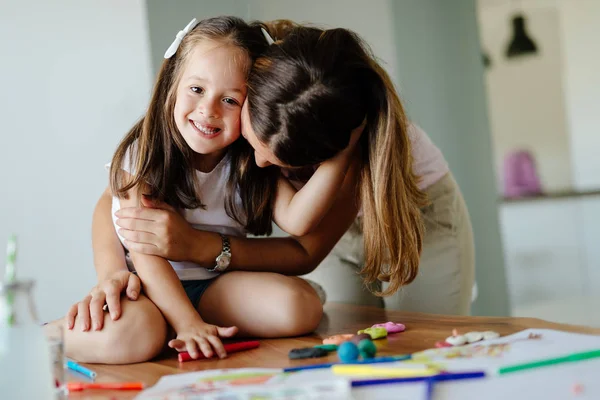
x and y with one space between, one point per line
73 366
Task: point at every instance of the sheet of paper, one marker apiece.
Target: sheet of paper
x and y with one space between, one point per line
248 383
525 346
576 381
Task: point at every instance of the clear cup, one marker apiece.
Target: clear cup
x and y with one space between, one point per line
54 333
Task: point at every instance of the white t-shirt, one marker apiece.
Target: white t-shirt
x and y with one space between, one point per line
213 218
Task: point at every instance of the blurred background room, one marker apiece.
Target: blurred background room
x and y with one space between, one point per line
514 105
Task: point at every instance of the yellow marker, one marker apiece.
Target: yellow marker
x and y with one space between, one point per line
373 371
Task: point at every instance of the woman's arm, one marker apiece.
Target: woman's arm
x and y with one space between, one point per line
109 256
161 231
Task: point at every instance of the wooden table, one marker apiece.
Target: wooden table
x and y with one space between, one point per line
422 331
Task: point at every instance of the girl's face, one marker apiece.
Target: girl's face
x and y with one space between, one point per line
262 153
209 100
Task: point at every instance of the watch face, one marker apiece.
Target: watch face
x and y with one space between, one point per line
223 261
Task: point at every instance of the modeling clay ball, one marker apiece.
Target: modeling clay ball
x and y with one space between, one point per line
375 333
306 352
391 327
367 349
348 352
327 347
357 338
337 339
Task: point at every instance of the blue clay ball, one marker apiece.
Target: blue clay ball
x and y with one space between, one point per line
348 352
367 349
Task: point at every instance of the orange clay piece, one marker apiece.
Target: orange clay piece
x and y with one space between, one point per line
338 339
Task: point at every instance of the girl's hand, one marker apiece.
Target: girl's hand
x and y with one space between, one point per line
156 229
90 310
202 337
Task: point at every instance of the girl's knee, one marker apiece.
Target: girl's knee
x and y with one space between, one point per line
138 336
301 308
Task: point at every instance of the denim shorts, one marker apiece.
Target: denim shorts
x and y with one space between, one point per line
195 289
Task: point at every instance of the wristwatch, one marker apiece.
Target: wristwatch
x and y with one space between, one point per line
224 259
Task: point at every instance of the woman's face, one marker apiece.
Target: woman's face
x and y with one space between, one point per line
262 153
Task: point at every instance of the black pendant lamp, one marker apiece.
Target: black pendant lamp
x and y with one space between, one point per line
520 44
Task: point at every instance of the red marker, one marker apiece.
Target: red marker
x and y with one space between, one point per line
229 348
79 386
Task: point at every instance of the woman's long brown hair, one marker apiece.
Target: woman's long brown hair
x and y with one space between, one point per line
306 94
160 158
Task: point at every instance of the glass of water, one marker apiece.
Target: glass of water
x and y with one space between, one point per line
54 333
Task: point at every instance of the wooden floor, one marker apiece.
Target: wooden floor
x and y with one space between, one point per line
422 331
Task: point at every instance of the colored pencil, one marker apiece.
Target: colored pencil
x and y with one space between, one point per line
585 355
79 386
391 372
429 390
229 348
368 361
73 366
449 376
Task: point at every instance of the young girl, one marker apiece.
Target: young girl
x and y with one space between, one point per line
184 152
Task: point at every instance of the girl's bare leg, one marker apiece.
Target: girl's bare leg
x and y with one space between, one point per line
137 336
262 304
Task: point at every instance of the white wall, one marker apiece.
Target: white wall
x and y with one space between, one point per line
525 96
74 76
580 31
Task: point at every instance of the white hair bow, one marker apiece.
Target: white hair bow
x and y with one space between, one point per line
268 37
179 37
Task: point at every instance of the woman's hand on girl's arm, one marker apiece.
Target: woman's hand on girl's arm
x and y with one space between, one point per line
299 212
157 229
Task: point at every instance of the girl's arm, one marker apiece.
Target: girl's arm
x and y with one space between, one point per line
163 288
299 212
163 232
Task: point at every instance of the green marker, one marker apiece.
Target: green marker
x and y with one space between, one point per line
586 355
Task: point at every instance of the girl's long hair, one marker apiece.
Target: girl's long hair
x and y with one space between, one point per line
305 95
161 160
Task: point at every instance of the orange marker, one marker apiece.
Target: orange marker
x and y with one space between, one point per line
79 386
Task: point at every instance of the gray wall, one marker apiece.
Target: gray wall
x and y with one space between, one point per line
441 82
166 18
75 76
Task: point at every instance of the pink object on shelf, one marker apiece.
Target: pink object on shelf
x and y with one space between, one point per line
520 175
